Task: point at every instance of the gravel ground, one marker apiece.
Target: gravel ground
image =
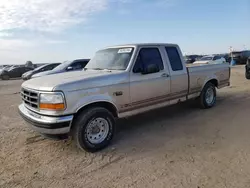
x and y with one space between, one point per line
179 146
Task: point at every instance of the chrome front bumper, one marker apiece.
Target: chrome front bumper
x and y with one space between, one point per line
46 124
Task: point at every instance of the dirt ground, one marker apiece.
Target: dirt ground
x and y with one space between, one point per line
175 147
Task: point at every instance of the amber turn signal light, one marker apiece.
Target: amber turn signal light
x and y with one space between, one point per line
45 106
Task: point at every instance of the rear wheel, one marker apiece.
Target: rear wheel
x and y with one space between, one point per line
93 129
208 96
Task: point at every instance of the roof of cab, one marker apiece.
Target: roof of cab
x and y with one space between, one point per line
142 44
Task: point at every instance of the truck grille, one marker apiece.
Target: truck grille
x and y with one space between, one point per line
30 98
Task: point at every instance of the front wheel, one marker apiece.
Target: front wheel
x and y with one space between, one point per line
93 129
208 96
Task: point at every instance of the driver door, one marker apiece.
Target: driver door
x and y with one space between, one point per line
146 89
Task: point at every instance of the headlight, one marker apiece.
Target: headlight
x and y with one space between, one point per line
52 101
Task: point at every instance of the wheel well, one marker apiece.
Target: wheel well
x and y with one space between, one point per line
214 81
107 105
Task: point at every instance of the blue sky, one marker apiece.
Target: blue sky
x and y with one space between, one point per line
58 30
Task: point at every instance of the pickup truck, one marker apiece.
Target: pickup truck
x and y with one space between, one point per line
118 81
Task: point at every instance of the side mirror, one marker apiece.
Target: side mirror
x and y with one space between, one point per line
151 68
69 68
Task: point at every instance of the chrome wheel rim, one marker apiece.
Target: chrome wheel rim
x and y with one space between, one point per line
97 130
210 95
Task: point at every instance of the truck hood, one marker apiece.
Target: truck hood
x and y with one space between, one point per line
77 80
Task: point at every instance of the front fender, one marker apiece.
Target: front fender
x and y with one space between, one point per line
87 100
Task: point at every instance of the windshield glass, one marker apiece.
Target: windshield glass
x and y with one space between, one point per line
11 68
38 68
63 66
206 58
111 59
7 67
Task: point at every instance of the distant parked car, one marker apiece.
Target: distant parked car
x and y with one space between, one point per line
225 55
43 68
191 58
211 60
241 57
247 74
67 66
14 72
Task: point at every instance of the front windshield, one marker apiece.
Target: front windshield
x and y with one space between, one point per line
11 68
63 66
206 58
7 67
38 68
111 59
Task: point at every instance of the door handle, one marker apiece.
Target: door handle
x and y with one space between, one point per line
165 75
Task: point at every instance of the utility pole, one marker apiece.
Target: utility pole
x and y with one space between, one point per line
232 60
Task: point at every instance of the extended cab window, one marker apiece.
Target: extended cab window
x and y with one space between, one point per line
174 58
148 56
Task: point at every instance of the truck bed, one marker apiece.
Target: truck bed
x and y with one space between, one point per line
199 73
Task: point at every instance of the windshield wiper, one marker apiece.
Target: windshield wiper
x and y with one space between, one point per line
97 69
100 69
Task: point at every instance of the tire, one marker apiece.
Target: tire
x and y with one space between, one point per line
98 120
205 101
5 77
247 75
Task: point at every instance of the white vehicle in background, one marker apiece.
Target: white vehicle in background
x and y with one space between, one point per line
211 59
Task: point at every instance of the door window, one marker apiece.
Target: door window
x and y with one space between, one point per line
146 57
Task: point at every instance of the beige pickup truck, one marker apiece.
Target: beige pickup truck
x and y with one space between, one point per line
118 81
